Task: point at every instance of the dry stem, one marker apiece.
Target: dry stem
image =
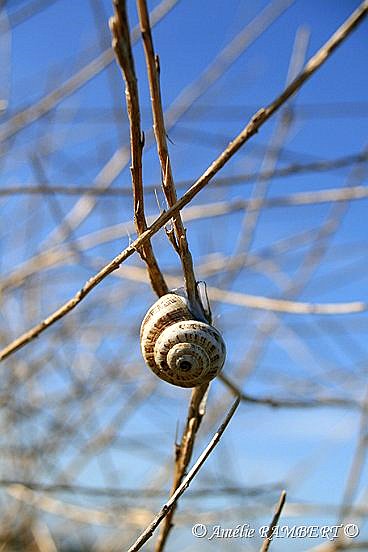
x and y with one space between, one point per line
283 172
153 68
197 404
267 541
183 454
147 534
123 51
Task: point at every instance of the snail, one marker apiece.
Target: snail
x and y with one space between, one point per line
177 346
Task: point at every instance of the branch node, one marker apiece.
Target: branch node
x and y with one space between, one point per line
157 64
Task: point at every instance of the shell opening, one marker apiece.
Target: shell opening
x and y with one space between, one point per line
184 363
188 358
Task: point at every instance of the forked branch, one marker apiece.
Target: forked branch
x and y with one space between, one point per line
123 50
153 69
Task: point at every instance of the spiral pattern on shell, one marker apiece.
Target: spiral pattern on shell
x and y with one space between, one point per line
178 348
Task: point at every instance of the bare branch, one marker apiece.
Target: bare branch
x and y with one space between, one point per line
288 403
123 50
290 170
267 541
184 101
168 185
148 532
183 454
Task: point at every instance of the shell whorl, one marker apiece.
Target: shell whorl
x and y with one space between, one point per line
178 348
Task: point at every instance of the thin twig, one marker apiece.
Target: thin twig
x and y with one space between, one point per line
288 403
123 51
197 404
43 537
284 305
183 454
267 541
131 493
232 297
183 102
148 532
257 301
277 143
73 512
289 170
256 122
226 57
168 185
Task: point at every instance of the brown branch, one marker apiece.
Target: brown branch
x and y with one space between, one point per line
258 301
288 403
183 454
76 513
316 61
219 208
256 122
197 404
277 143
148 532
250 301
267 541
53 256
329 195
59 256
186 98
123 50
284 305
226 57
131 493
168 185
289 170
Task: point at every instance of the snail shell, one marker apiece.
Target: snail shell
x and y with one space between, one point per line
178 348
